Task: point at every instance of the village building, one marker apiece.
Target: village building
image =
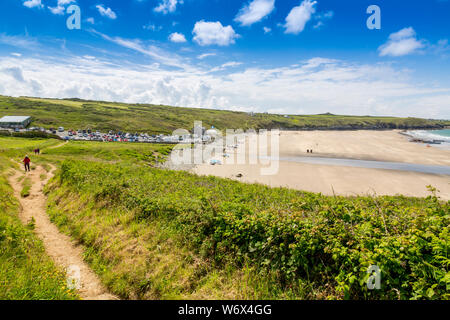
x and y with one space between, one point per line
13 122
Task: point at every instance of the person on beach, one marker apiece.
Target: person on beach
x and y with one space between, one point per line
26 162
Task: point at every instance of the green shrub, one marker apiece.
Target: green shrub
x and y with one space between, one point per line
329 241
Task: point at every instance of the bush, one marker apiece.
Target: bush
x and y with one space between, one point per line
330 241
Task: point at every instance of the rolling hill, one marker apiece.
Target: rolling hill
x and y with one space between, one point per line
100 115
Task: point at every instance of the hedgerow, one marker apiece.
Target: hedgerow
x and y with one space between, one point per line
328 241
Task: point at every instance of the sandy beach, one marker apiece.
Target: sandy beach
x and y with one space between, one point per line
387 146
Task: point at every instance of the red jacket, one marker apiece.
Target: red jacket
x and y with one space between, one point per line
26 160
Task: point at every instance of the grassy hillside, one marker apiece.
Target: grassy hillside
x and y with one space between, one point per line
80 114
158 234
162 234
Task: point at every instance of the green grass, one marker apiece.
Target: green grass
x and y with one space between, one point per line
26 272
154 233
150 154
26 186
7 143
97 115
158 234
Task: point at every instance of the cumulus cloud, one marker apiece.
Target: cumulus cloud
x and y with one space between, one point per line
106 12
177 37
299 17
255 11
210 33
57 10
376 89
166 6
401 43
15 72
267 30
33 4
60 7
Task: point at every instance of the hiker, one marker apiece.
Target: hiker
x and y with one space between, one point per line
26 162
38 151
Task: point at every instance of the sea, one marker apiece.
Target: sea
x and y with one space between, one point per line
429 135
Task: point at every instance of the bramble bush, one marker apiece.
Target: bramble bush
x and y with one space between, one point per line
329 241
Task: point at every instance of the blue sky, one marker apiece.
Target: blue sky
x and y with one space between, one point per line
281 56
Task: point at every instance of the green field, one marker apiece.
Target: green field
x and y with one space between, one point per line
97 115
151 233
150 154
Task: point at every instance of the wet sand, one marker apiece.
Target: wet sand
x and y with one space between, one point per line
388 146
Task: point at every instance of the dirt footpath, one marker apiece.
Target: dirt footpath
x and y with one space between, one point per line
65 252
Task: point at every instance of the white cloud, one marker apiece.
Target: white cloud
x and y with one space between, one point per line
33 4
442 48
177 37
153 52
15 54
15 72
224 66
60 7
166 6
25 42
210 33
299 16
57 10
376 89
255 11
205 55
267 29
106 12
321 18
152 27
401 43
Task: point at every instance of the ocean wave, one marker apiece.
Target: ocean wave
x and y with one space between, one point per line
427 135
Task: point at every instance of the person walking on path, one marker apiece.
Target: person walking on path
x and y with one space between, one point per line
26 162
